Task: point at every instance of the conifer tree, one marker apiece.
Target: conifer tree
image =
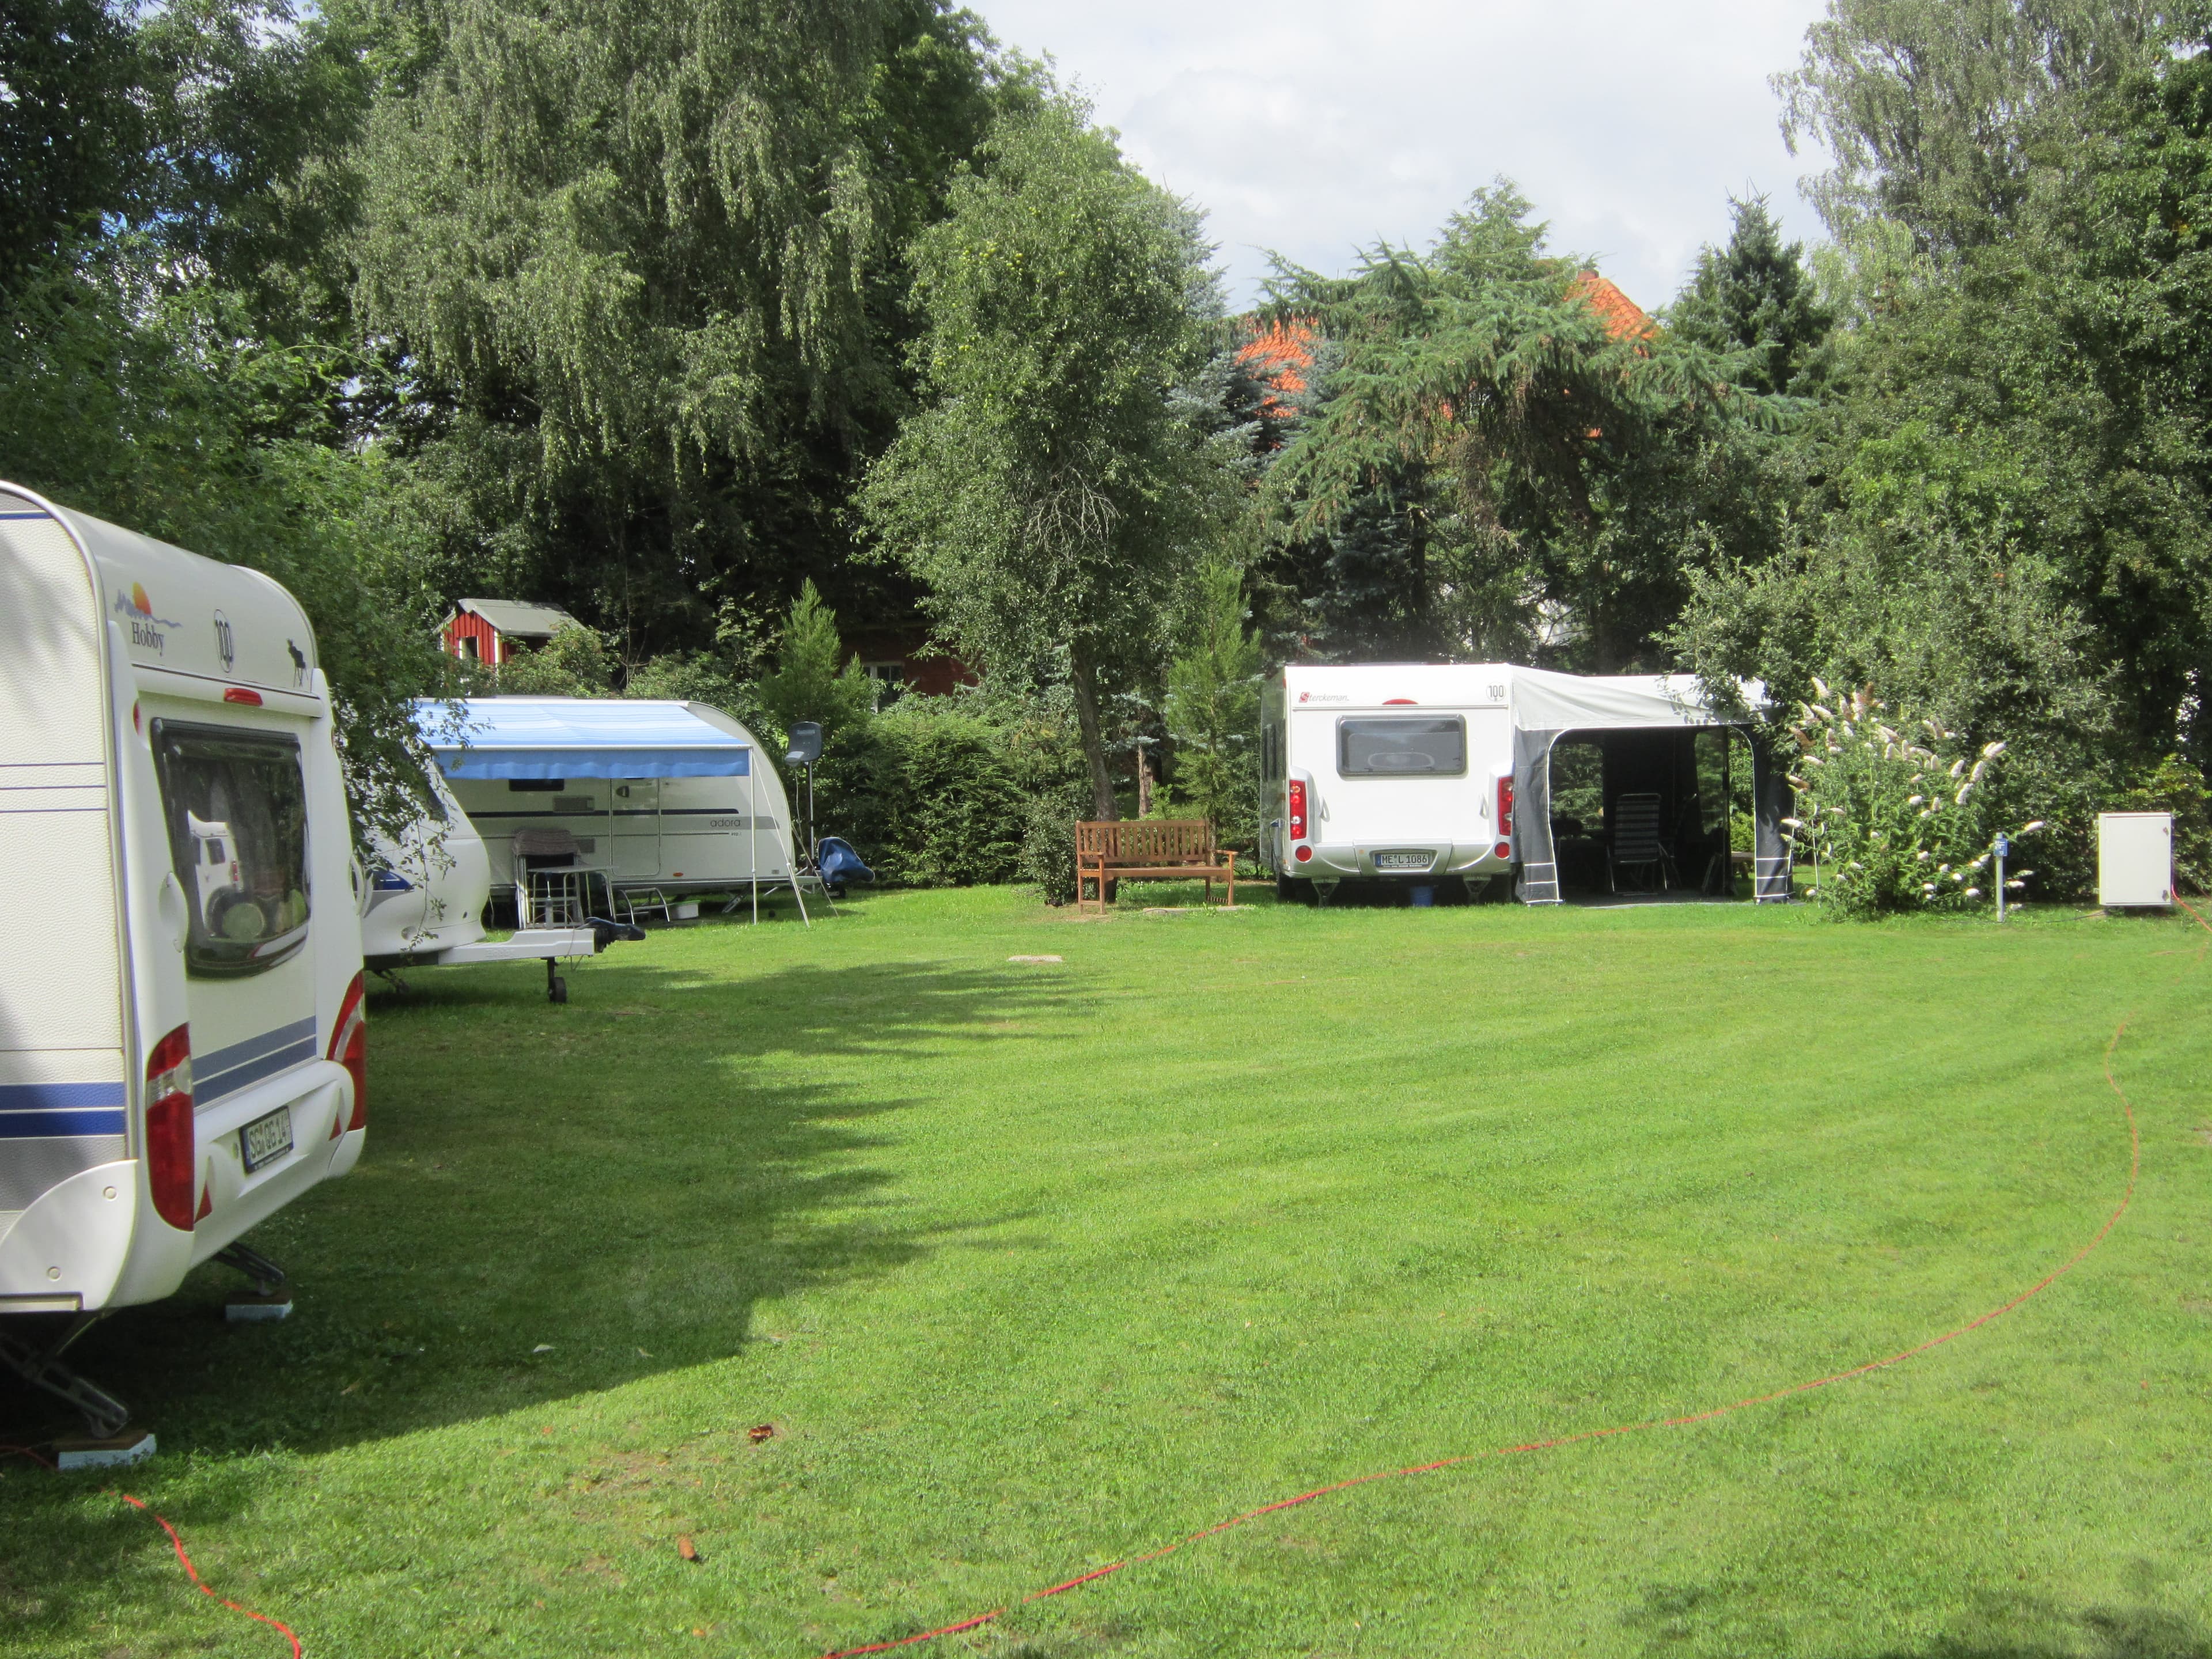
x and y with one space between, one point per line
1755 296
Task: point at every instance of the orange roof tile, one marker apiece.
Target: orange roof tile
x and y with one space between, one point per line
1278 355
1623 318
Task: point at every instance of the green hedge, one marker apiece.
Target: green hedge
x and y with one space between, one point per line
934 795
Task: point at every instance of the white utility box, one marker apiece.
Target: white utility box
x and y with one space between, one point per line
2134 859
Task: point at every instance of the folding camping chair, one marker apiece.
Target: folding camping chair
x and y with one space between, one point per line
551 889
1637 844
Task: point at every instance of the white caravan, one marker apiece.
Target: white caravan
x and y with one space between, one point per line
182 1048
1413 773
653 794
1393 770
427 893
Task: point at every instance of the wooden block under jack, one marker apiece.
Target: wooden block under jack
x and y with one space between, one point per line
247 1306
80 1451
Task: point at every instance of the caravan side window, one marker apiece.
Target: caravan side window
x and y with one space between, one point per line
1402 746
237 810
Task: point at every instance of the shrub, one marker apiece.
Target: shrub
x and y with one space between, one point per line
1048 858
930 795
2174 786
1896 823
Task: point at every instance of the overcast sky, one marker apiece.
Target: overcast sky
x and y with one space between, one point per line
1311 128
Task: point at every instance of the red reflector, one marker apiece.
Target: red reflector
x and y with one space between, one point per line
350 1047
240 694
1303 854
1398 703
1503 849
170 1152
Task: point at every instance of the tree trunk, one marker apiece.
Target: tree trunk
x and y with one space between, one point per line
1083 681
1143 782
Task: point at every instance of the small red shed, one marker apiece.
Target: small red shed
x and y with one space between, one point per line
492 631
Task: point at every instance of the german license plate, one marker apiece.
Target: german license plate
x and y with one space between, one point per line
1404 860
266 1138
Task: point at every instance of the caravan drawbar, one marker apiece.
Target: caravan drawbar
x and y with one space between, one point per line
183 1052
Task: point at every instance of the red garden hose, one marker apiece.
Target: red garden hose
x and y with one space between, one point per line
183 1559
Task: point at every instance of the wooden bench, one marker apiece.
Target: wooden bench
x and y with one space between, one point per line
1148 849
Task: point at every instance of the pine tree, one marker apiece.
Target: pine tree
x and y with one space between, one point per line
1755 296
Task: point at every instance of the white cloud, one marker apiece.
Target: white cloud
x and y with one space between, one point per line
1312 128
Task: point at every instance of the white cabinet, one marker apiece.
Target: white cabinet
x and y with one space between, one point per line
2134 859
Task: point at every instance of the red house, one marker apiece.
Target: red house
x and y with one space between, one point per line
492 631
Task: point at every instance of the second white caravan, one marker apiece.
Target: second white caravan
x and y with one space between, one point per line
650 795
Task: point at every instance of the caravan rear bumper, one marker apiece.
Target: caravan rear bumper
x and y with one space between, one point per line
1393 862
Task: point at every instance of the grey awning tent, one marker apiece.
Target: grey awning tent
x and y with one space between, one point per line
1547 706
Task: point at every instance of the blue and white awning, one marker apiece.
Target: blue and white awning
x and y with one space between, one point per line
577 738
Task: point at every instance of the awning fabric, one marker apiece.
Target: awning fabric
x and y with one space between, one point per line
575 737
1546 702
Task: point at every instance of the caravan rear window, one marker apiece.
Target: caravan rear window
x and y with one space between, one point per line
237 811
1402 746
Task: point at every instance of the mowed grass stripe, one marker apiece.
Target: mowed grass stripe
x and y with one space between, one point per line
1032 1267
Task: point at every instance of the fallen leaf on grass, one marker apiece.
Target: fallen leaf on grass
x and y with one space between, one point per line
543 1347
690 1552
760 1431
1034 959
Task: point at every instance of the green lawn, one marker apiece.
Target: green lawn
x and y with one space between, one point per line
1033 1266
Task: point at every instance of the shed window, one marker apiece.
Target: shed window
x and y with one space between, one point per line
1403 746
237 810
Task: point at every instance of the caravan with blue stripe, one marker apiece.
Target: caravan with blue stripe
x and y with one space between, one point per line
184 1051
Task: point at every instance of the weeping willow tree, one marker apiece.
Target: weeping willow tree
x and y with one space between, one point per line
633 264
1930 111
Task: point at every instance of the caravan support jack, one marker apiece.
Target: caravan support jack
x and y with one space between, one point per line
104 1416
270 1296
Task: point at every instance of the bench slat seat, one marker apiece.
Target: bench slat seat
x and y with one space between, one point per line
1148 849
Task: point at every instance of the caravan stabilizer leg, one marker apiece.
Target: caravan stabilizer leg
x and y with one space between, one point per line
557 988
270 1296
106 1419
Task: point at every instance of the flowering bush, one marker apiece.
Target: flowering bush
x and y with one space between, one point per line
1893 820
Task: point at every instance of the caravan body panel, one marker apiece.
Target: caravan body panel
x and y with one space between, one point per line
167 754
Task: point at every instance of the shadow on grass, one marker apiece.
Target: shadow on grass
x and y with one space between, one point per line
1676 1619
560 1200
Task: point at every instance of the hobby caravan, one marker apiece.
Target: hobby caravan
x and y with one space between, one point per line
181 1046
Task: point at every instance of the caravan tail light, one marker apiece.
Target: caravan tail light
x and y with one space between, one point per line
1297 809
1504 848
170 1152
350 1047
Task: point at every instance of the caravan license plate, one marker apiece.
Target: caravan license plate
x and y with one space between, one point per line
266 1138
1404 860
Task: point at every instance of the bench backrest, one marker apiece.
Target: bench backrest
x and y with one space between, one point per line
1147 841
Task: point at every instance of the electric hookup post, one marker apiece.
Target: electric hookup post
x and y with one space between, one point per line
2002 848
804 749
